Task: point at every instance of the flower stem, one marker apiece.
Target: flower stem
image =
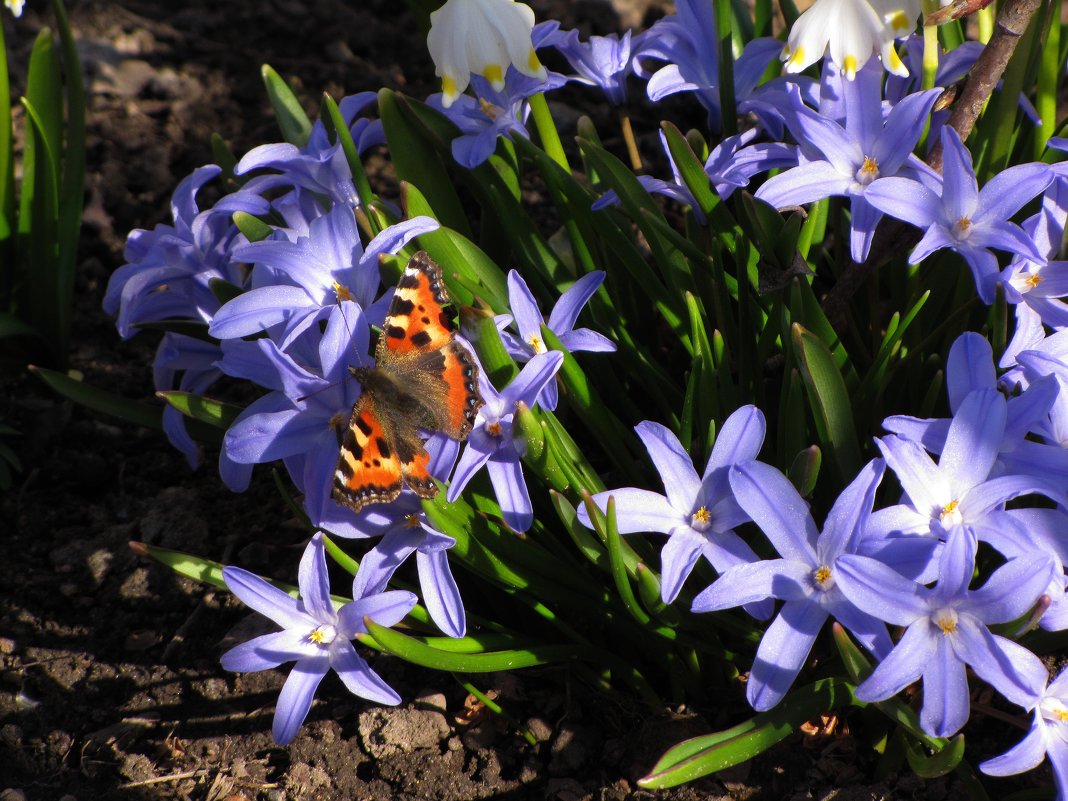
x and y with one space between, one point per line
546 126
628 139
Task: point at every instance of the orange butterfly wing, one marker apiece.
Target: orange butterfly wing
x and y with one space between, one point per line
422 379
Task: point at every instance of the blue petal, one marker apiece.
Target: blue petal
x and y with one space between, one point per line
566 311
295 700
880 590
524 308
782 652
506 476
637 511
771 500
315 583
441 596
1024 756
671 460
848 517
267 599
269 651
747 583
970 366
974 440
902 666
945 691
359 677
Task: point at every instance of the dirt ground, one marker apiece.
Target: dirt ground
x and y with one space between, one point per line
110 685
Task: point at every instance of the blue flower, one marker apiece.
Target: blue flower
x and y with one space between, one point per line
298 419
960 216
805 576
314 634
493 444
948 629
295 284
169 269
318 167
528 321
1048 736
406 531
698 513
969 368
844 158
603 61
730 165
687 41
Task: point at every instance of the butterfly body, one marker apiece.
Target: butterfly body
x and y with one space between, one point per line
422 380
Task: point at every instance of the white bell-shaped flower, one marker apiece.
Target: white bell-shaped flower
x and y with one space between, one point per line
483 37
853 31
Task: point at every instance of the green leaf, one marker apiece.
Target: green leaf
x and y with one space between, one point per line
932 766
701 756
190 328
215 413
457 254
254 229
37 244
142 414
690 169
7 183
352 156
829 401
293 122
417 160
412 650
72 175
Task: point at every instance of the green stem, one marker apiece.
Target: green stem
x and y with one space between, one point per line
724 29
546 127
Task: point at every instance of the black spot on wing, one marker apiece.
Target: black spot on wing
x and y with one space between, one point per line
364 426
401 307
421 339
383 447
394 332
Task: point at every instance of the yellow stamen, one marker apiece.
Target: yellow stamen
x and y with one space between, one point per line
322 635
411 521
535 342
1033 280
702 515
487 108
869 167
494 428
963 224
822 575
946 620
342 292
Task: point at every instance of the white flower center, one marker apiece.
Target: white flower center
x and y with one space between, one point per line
946 619
824 577
323 635
868 171
701 520
950 514
535 342
962 229
1054 710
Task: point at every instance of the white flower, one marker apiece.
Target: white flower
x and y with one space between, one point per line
484 37
853 31
15 6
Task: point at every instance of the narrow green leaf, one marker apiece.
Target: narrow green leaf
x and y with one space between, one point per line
937 764
214 413
72 175
292 120
142 414
254 229
619 569
348 147
690 169
418 653
829 401
417 160
701 756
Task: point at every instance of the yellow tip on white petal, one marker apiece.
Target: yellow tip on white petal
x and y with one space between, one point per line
534 63
796 60
495 75
899 21
849 67
448 90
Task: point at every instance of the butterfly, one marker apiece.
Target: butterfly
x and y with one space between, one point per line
422 379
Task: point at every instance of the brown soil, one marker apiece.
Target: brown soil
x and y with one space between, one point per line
110 686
